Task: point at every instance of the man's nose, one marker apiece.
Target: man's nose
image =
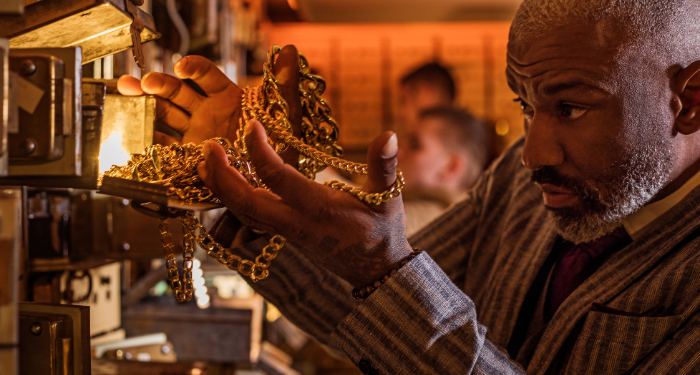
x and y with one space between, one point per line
542 145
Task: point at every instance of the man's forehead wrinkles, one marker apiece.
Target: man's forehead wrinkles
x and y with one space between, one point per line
526 71
540 56
567 85
559 73
552 83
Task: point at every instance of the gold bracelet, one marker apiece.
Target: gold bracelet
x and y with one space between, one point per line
362 293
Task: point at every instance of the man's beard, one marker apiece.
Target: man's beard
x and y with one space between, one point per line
607 201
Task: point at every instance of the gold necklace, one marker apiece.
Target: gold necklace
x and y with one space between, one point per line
175 166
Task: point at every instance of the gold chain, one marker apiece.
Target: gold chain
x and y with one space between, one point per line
252 108
182 287
175 166
255 270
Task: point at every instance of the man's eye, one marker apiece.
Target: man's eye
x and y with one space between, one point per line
526 108
572 112
413 143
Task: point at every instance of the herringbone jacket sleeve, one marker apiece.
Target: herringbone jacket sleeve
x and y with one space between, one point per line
419 322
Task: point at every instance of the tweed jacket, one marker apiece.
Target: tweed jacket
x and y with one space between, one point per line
453 309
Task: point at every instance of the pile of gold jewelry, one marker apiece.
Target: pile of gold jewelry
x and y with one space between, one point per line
175 166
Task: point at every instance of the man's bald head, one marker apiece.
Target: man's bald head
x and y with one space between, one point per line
668 30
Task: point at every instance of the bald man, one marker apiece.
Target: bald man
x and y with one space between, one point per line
575 253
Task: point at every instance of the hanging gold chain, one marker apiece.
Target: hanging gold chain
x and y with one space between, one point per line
175 166
182 287
255 270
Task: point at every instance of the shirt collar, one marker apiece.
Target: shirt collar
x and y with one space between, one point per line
639 220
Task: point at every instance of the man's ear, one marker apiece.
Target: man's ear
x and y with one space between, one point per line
687 99
456 167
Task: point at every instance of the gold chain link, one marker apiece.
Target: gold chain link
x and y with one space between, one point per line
175 166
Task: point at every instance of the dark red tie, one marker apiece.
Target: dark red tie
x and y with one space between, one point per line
578 262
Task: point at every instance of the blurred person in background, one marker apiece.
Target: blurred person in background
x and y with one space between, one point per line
441 156
429 86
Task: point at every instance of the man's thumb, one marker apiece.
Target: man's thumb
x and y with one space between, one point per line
381 160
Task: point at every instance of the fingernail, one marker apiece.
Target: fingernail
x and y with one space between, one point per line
206 149
180 64
391 147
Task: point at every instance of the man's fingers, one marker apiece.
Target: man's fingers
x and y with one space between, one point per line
129 86
165 110
287 66
172 89
381 160
203 72
172 115
281 178
255 207
287 74
230 187
218 175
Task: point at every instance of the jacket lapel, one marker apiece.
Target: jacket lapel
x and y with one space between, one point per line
617 274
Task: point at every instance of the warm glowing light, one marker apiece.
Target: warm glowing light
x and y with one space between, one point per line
203 301
198 283
272 313
201 291
502 127
293 4
112 152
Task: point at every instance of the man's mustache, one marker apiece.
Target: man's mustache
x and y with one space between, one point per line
549 175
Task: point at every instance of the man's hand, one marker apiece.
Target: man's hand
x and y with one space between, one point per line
196 117
356 241
217 114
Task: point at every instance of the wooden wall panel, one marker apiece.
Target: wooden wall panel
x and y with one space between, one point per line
406 51
360 84
465 55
